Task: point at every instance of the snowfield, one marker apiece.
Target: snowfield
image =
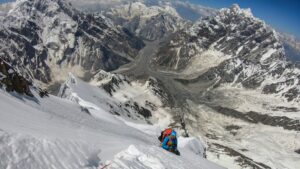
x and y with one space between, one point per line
57 133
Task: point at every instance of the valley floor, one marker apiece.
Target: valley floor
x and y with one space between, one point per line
258 143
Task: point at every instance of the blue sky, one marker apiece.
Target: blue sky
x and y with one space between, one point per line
3 1
284 15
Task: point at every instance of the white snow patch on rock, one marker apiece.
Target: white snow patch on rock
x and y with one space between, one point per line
267 54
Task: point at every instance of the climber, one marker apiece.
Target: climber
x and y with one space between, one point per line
169 142
164 134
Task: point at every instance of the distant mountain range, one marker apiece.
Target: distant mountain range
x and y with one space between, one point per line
223 76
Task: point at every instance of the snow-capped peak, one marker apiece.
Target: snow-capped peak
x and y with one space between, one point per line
236 12
253 55
235 9
233 18
139 9
147 22
31 10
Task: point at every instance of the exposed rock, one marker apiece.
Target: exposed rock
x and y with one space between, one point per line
250 54
110 82
140 110
43 93
152 106
232 127
158 88
285 109
243 160
255 117
12 81
39 36
147 22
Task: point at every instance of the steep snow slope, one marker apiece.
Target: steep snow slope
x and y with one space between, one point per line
130 100
51 132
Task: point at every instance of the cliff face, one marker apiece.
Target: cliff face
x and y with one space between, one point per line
39 36
11 81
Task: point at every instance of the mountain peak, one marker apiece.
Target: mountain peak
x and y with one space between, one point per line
23 10
235 9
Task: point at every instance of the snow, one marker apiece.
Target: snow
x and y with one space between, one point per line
136 92
2 76
235 9
253 100
248 13
53 132
60 36
192 144
132 153
254 49
153 157
10 71
134 9
267 54
257 139
206 60
178 57
239 49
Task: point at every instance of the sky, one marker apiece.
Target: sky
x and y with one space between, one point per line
283 15
3 1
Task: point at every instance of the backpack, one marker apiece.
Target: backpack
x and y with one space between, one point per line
165 134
